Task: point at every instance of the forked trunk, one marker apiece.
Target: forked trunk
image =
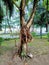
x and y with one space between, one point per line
25 36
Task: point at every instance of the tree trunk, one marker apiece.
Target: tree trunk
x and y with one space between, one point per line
5 28
47 17
32 27
48 32
41 32
0 27
25 35
46 27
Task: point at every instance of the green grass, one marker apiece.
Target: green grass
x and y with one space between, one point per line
9 42
39 41
39 46
7 45
36 42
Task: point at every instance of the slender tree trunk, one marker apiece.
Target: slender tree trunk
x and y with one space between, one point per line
33 28
8 20
47 17
5 28
41 32
46 27
0 27
48 32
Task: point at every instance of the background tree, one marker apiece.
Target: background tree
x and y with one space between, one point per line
1 16
46 5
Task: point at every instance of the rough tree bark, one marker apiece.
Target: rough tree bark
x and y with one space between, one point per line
25 35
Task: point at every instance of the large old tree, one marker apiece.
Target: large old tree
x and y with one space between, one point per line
25 35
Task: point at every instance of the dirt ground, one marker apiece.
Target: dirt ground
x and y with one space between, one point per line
40 56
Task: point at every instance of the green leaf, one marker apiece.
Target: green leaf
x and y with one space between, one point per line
46 4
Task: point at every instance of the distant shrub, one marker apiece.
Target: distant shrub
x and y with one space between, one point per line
7 39
33 34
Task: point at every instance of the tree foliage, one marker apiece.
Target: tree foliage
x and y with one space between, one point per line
1 14
46 4
9 4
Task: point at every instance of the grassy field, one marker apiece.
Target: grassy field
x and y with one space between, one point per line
38 47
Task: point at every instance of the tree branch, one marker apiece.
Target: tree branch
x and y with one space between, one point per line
16 4
22 12
32 14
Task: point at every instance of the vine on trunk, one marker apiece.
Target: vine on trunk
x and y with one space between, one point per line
25 38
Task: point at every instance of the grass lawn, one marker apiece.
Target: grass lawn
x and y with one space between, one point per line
35 42
37 45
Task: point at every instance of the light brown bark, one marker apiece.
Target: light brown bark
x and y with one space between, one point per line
32 14
25 36
22 13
